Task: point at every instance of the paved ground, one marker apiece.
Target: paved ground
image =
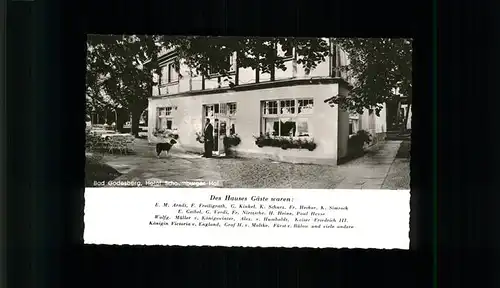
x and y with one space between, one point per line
370 171
399 173
377 169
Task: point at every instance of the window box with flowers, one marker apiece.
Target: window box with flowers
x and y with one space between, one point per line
285 142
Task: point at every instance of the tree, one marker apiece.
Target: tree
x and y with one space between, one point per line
380 67
382 72
118 61
209 55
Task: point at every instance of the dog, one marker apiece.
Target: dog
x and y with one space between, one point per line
160 147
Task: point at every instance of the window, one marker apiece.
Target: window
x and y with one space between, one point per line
286 51
271 126
164 75
209 111
232 63
353 126
165 119
220 109
231 60
231 108
271 107
169 74
287 107
302 127
305 106
292 119
172 73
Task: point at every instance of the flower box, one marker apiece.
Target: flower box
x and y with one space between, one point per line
229 142
285 142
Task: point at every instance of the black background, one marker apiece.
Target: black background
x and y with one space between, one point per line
45 160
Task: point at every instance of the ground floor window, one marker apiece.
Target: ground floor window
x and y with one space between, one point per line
353 125
289 118
164 118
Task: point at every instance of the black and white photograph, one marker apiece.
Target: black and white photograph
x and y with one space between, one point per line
248 112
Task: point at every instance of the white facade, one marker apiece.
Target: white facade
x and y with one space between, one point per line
291 105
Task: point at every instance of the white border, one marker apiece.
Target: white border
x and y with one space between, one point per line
122 215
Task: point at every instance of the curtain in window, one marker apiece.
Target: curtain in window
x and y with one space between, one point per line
302 127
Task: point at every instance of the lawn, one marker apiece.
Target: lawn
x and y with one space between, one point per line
95 170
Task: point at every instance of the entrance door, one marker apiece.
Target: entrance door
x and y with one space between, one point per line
212 112
217 113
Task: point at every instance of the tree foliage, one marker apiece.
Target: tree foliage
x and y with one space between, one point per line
209 55
381 69
115 65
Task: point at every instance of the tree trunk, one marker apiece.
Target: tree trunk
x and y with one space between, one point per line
136 111
122 118
257 70
134 129
190 80
273 66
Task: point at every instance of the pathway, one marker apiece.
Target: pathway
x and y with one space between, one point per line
371 170
181 169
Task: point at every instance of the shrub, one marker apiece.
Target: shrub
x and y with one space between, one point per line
93 158
96 170
285 142
356 143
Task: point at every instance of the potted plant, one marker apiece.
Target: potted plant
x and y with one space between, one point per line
230 141
199 137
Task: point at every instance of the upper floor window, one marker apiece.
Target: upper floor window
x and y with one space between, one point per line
164 75
172 73
286 51
169 74
230 61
